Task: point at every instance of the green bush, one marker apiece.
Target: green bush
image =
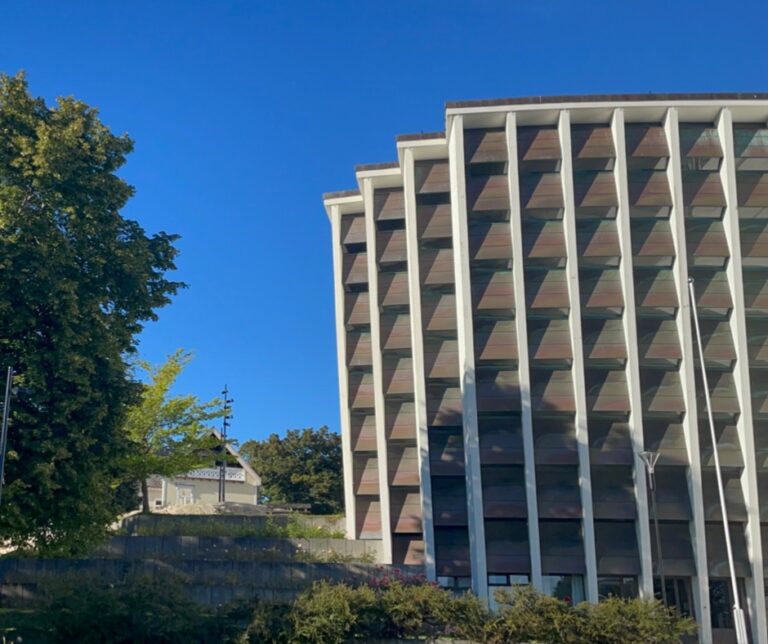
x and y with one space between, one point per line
391 606
397 607
333 613
421 610
269 623
21 625
138 610
615 621
528 616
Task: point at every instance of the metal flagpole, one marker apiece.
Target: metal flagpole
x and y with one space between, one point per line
738 614
4 431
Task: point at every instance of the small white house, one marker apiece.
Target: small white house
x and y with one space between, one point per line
202 485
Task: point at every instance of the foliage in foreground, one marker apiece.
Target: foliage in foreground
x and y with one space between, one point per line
398 608
528 616
77 282
141 610
304 466
395 607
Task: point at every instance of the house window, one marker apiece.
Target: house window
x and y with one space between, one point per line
185 494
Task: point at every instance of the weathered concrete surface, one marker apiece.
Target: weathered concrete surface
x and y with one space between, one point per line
210 582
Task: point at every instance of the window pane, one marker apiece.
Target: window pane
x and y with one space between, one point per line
624 587
568 588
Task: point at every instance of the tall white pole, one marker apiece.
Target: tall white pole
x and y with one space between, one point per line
738 613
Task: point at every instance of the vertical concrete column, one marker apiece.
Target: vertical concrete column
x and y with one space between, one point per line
378 376
633 357
745 427
341 359
466 352
687 381
577 370
521 327
417 347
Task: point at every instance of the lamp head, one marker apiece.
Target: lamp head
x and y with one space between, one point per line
650 459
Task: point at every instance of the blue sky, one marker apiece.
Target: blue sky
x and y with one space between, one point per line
244 113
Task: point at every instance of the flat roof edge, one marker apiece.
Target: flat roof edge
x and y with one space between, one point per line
365 167
421 136
612 98
340 194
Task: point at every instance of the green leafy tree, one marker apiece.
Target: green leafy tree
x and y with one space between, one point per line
170 435
77 283
304 466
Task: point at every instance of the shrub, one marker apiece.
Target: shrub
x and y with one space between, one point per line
333 613
396 607
529 616
269 623
138 610
615 621
415 611
391 606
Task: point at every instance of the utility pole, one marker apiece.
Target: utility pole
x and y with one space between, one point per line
4 431
738 614
224 427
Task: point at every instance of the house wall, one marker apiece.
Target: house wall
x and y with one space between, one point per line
207 491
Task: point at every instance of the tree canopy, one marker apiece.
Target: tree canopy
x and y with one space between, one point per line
169 434
304 466
77 282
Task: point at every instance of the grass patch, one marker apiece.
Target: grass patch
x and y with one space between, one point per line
290 528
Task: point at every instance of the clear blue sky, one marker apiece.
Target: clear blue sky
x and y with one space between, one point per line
244 113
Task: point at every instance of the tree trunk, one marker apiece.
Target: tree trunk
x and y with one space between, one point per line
145 497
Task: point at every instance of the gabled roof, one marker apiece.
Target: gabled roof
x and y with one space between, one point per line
240 460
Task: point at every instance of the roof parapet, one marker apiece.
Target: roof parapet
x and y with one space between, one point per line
614 98
367 167
340 194
421 136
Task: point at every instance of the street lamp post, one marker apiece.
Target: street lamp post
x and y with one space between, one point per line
650 459
738 614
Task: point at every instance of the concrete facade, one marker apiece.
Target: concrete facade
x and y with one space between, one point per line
514 329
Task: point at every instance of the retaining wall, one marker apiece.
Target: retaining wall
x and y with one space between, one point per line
210 582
